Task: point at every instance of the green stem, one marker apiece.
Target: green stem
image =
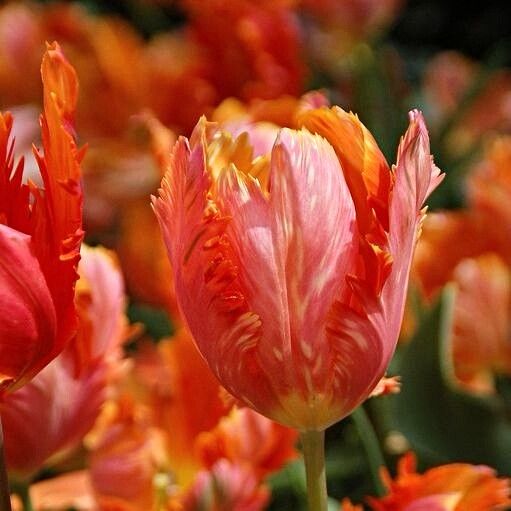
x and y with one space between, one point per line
5 494
313 445
371 445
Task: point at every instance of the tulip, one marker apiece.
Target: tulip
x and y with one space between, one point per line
476 257
49 416
448 76
480 228
294 290
453 487
40 236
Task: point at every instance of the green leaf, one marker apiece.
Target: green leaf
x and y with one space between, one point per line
442 422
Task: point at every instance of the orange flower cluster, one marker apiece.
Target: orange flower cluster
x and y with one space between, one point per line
179 74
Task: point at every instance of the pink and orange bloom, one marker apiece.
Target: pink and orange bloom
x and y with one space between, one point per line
291 269
40 234
282 270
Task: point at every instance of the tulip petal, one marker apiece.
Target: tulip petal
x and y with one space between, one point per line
366 335
357 356
314 233
364 166
245 436
206 268
100 302
296 249
180 212
456 486
26 309
14 196
250 233
57 214
416 177
179 209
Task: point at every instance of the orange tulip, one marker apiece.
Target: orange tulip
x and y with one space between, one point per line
453 487
481 228
126 459
259 53
40 235
476 256
294 291
489 187
456 235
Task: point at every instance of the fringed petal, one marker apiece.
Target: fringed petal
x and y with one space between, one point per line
51 219
416 177
56 220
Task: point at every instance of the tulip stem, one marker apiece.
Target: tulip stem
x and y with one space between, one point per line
371 445
5 494
313 445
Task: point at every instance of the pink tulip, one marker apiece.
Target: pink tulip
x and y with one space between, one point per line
294 290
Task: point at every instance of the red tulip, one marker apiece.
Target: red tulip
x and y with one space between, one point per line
40 234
